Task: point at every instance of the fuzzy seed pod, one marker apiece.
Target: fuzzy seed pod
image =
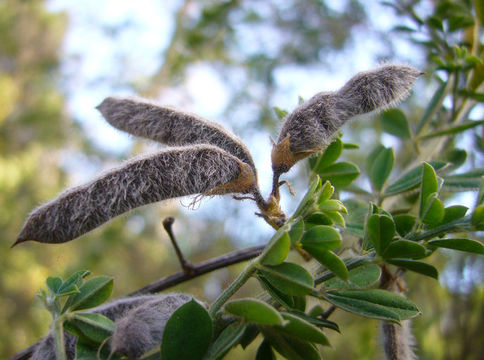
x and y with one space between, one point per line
143 118
310 127
115 311
200 169
142 328
398 341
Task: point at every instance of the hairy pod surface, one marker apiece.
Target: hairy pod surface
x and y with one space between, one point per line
115 311
169 126
141 329
199 169
310 127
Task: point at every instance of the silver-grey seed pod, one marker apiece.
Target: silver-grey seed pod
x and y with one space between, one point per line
199 169
310 127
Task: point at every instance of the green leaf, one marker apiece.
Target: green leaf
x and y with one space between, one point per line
85 350
467 245
340 174
92 293
278 251
336 218
428 186
281 114
310 198
454 129
380 230
411 179
433 106
359 278
225 341
332 205
404 224
416 266
317 321
454 212
264 352
250 334
329 260
289 278
395 122
330 155
71 285
317 218
53 283
350 146
299 328
326 192
291 348
285 300
404 249
374 303
296 231
435 211
478 217
90 326
381 168
455 184
322 237
456 157
187 334
255 311
480 195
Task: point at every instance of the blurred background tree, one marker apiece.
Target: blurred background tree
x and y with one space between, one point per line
230 61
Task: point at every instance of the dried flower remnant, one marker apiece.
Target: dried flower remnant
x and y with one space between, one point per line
200 169
310 127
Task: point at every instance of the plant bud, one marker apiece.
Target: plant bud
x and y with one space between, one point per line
170 126
310 127
199 169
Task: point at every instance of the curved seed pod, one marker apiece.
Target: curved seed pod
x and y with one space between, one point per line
309 128
142 328
170 126
200 169
114 310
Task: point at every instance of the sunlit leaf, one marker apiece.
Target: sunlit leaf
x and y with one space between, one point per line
289 278
359 278
92 293
467 245
255 311
340 173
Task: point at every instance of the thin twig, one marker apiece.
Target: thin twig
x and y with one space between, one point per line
186 265
199 269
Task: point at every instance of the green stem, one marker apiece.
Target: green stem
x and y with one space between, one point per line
60 351
233 288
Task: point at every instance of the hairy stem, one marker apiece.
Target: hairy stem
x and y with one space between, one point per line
232 289
60 351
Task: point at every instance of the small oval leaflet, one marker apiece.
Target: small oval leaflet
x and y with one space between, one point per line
255 311
289 278
187 334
